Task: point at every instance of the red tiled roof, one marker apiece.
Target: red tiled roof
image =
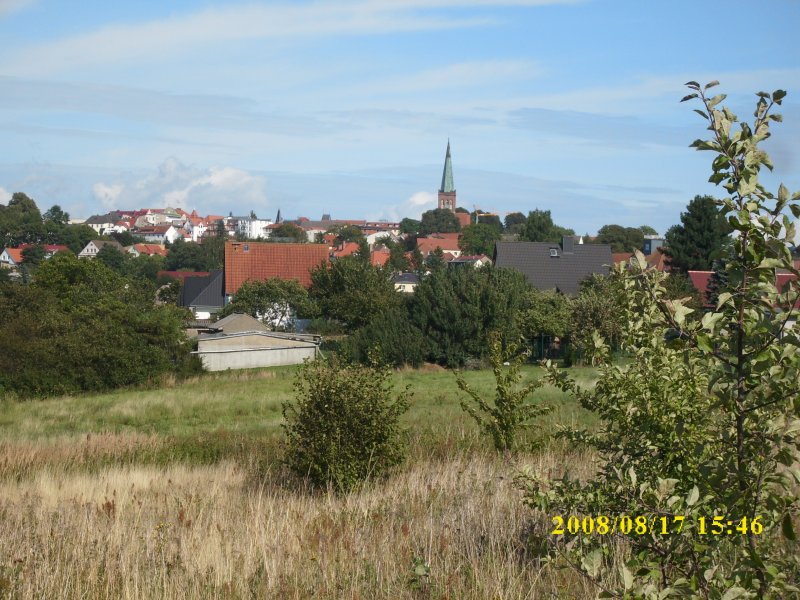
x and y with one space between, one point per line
346 249
619 257
16 253
150 249
448 242
181 274
378 258
658 260
700 280
262 260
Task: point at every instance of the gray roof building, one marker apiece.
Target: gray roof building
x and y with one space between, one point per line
550 266
205 293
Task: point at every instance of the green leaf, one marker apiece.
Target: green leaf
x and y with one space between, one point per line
593 562
787 527
692 84
688 97
723 298
627 577
693 497
778 95
735 592
711 84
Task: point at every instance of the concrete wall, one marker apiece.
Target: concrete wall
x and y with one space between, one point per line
222 360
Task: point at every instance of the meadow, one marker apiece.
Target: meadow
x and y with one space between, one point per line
179 492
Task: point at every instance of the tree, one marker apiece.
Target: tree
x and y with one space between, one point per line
478 239
598 311
705 420
515 222
126 238
81 327
352 291
21 222
439 220
508 413
346 233
546 313
391 339
621 239
647 230
345 424
288 232
276 302
33 255
539 227
456 309
55 214
185 256
700 238
409 226
114 259
488 219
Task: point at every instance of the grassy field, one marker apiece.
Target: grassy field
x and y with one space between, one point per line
178 492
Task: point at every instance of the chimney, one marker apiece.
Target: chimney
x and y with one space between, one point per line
567 243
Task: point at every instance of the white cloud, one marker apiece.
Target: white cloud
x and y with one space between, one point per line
181 186
412 208
115 44
5 196
10 6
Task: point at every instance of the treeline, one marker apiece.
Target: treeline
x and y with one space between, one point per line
79 326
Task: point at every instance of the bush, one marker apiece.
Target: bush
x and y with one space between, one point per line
390 338
344 427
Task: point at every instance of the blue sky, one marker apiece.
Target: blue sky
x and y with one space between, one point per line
345 106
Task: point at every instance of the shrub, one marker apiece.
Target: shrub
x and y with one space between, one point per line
701 426
391 338
344 426
509 413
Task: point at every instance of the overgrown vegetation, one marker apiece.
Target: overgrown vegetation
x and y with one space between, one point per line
699 431
344 426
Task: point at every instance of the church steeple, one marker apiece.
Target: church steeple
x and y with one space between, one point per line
447 192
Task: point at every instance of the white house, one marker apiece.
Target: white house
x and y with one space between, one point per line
159 234
92 248
253 229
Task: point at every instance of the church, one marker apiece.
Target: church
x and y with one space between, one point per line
447 191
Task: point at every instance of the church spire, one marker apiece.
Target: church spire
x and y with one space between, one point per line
447 174
447 193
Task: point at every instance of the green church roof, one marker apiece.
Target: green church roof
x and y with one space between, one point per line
447 174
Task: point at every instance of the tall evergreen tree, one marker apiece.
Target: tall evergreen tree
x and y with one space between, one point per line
539 227
703 232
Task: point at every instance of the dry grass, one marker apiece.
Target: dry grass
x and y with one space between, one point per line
184 531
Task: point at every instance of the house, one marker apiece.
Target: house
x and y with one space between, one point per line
103 223
147 249
92 248
253 229
254 349
549 266
618 257
159 234
182 275
12 257
475 261
237 323
259 261
447 242
406 282
204 295
652 243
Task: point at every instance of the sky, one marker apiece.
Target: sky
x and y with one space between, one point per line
345 107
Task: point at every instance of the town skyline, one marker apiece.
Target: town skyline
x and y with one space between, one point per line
345 107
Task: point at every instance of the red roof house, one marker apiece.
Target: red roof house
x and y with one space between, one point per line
448 242
258 261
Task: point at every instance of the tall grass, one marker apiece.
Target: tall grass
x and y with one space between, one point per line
179 493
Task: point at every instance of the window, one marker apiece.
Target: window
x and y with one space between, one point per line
554 252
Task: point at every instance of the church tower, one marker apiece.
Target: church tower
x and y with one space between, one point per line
447 193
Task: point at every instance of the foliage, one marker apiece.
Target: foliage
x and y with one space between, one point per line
647 230
33 255
539 227
515 222
352 291
456 309
114 258
344 426
391 339
678 286
346 233
409 226
479 239
289 232
546 313
486 218
598 310
80 327
704 420
700 238
621 239
185 256
439 220
508 413
20 222
276 302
